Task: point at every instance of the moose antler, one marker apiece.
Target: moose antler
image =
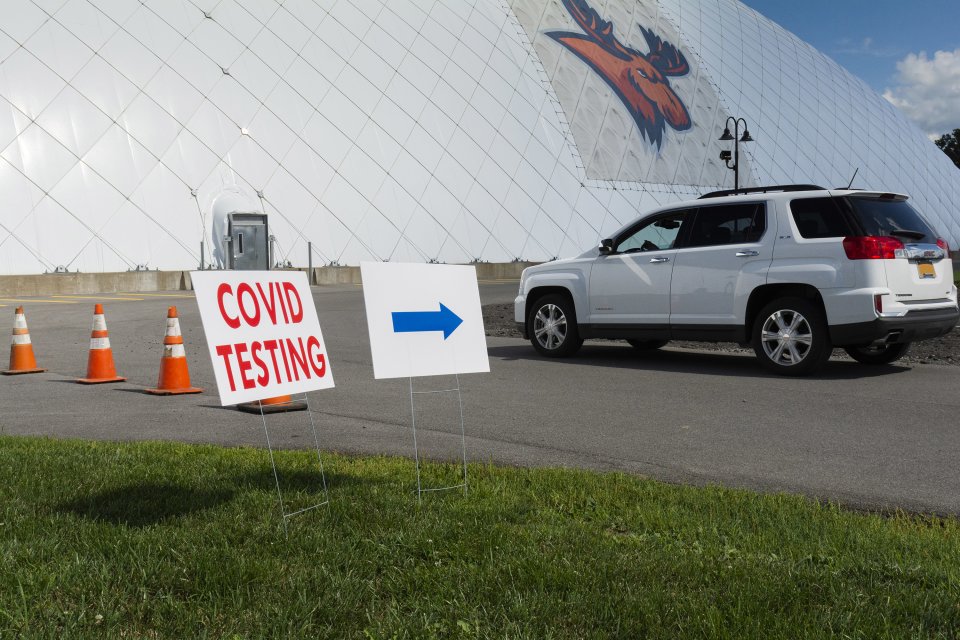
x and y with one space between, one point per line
664 56
640 80
601 30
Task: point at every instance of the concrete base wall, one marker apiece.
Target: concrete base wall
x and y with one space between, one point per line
79 283
485 271
133 281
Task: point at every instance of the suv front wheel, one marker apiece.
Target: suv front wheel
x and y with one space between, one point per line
790 337
552 326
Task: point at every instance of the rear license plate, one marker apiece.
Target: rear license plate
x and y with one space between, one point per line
926 270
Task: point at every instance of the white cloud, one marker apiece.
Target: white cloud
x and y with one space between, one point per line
928 90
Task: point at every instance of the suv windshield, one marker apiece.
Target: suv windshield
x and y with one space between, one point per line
895 218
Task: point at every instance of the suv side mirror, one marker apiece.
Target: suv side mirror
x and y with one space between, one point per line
606 246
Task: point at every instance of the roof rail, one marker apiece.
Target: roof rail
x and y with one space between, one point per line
780 187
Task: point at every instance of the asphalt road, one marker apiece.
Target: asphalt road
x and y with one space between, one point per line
874 438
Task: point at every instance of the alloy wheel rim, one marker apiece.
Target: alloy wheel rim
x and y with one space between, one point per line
550 326
786 337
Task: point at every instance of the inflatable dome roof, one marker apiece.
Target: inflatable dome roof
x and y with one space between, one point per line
455 131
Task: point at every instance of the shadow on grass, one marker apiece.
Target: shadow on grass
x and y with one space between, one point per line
141 505
308 481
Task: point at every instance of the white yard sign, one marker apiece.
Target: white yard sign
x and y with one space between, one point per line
263 334
424 319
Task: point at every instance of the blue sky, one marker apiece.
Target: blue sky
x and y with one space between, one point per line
881 42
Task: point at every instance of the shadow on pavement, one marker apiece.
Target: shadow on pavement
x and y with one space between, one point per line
699 362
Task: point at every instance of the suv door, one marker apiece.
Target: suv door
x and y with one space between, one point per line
631 285
809 246
722 259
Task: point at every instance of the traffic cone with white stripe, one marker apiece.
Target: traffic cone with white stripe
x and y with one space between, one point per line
21 349
100 368
174 376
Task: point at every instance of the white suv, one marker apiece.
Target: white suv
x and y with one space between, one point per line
792 270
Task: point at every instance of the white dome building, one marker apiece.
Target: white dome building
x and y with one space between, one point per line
411 130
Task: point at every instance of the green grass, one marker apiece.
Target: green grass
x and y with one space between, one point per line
169 540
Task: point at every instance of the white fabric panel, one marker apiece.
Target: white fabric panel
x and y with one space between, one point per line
105 87
27 83
131 58
40 158
120 159
13 122
60 50
21 18
74 121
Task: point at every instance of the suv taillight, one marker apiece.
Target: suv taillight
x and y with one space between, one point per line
943 245
871 247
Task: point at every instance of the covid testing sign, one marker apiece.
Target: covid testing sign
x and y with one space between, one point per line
263 334
423 319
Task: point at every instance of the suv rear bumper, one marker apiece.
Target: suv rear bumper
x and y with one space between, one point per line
916 325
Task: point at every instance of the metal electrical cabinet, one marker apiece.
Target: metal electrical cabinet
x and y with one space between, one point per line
249 242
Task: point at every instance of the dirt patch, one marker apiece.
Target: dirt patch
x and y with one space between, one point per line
498 321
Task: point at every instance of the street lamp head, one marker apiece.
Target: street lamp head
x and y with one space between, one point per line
725 155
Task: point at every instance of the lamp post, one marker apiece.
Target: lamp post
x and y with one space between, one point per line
737 139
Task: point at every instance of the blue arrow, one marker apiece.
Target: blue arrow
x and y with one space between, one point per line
418 321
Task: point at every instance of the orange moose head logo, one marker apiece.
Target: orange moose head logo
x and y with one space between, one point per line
640 80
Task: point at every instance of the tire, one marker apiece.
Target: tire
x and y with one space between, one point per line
882 354
647 345
790 337
552 326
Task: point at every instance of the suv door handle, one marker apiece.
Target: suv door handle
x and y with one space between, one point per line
659 260
747 254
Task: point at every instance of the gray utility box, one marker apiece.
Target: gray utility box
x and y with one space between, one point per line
248 242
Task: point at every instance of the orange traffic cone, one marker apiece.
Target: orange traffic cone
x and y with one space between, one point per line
100 367
277 404
174 376
21 349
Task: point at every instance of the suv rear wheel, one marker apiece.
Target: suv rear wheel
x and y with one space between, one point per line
880 354
552 324
790 337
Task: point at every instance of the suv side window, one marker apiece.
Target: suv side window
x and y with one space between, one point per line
656 234
820 218
728 224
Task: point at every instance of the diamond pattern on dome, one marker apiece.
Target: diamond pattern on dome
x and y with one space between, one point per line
449 131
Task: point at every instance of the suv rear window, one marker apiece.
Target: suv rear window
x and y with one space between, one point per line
883 217
859 216
820 218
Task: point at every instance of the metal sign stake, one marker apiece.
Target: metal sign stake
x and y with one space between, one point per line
276 476
416 452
